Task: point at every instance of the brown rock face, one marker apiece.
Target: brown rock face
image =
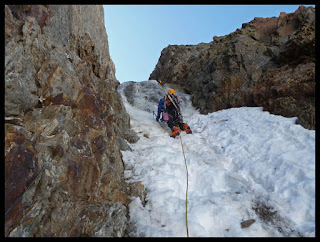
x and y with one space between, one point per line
63 113
269 62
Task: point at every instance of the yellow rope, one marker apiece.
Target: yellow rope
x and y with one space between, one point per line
187 187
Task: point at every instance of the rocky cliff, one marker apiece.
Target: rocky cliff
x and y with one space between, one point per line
269 62
65 122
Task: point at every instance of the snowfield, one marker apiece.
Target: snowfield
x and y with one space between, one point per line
243 164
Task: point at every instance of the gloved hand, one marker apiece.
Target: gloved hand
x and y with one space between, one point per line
157 118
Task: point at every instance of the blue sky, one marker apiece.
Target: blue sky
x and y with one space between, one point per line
138 33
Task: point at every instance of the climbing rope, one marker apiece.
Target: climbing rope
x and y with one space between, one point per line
23 192
187 187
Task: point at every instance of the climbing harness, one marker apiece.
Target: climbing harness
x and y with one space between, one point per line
24 192
164 88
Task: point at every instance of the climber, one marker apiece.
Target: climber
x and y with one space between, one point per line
171 114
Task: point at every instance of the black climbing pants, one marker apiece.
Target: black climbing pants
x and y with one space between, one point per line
174 120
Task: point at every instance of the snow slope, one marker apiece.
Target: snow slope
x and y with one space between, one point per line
243 163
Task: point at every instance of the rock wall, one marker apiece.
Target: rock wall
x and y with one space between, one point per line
269 62
63 113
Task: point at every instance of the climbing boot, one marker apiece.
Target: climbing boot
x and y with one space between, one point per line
175 131
187 129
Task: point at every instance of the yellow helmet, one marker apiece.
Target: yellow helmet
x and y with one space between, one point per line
170 91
